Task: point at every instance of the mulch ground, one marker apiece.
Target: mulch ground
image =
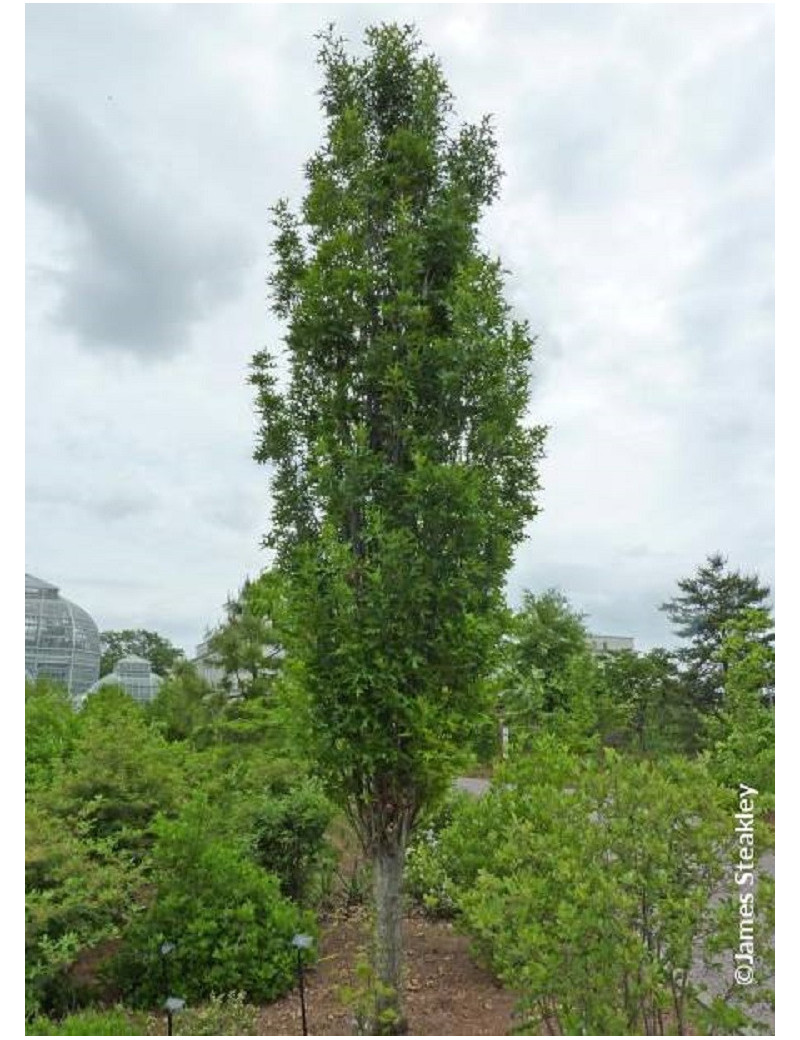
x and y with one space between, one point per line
446 993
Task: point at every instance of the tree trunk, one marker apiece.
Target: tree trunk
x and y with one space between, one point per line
387 862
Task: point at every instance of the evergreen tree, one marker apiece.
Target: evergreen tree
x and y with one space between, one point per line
247 645
404 473
708 602
186 706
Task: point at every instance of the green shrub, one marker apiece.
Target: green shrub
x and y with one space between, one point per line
598 889
427 881
229 923
121 773
591 886
742 748
289 838
741 733
116 1022
228 1015
51 727
78 892
366 1000
444 855
186 707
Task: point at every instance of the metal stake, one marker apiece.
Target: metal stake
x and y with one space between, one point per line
301 974
300 943
171 1005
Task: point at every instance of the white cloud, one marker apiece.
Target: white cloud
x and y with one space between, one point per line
636 220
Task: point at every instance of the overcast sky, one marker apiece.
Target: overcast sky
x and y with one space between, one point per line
636 220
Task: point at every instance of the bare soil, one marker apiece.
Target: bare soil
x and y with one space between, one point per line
446 992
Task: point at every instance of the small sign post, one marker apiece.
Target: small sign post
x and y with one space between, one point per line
171 1005
300 943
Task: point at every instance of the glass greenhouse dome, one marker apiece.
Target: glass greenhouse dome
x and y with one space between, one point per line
134 675
61 640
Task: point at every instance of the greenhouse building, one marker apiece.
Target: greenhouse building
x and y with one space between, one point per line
61 640
134 675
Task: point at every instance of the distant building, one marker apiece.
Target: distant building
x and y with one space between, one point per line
61 640
610 644
209 667
134 675
206 665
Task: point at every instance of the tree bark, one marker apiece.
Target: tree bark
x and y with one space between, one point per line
388 861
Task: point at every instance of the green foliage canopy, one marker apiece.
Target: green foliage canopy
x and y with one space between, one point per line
247 646
289 836
404 472
653 713
546 634
138 642
593 886
708 601
545 676
186 707
78 892
51 729
741 733
230 925
121 774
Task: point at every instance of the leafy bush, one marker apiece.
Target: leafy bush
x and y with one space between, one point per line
51 727
371 1013
228 1015
427 879
743 745
741 733
652 708
227 918
597 890
591 886
117 1022
97 778
186 707
289 837
121 773
78 892
444 856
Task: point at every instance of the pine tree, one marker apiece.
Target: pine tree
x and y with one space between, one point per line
709 601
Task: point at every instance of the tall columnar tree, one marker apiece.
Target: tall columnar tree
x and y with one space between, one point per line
404 471
708 602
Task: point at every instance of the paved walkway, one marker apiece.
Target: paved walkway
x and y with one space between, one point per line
472 784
